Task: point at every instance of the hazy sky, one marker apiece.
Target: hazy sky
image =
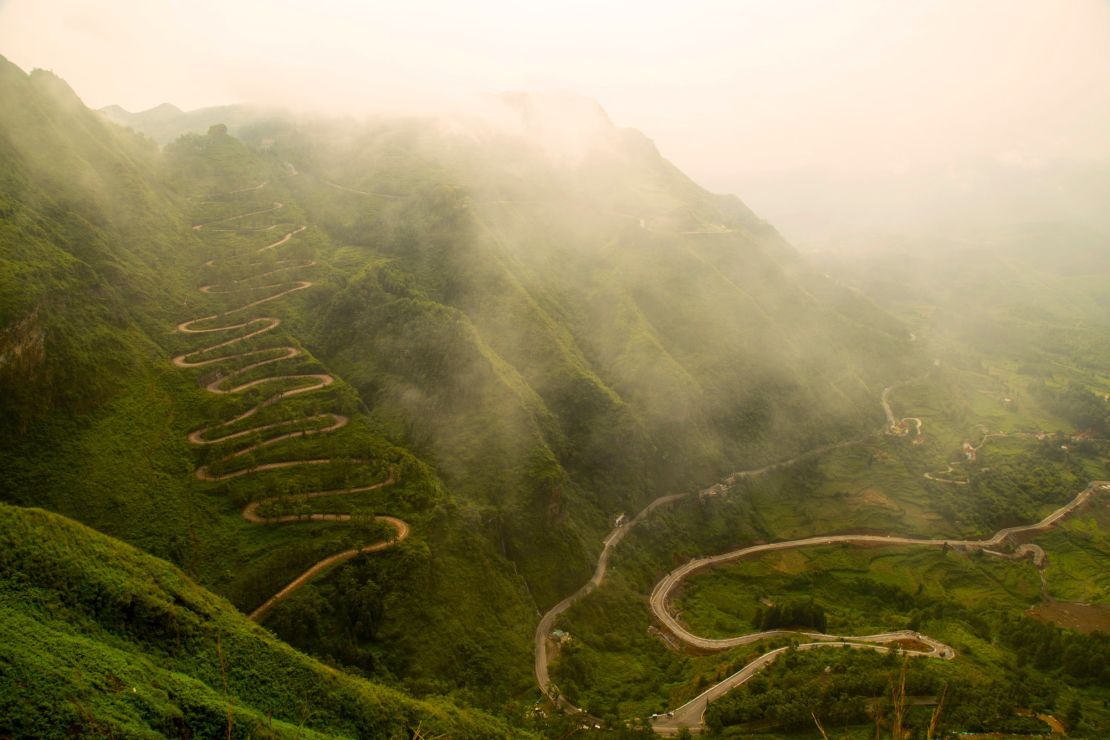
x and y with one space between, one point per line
727 89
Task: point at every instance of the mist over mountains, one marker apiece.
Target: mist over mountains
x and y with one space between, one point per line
333 425
540 331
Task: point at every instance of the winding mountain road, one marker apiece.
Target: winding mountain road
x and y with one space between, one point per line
690 714
937 477
231 430
547 622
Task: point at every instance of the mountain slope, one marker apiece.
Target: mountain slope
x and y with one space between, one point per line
97 275
86 226
166 122
528 321
568 334
99 638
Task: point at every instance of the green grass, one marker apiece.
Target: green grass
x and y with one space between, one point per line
97 429
99 638
1078 553
846 689
863 590
531 360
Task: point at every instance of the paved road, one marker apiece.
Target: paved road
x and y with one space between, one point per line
547 622
543 629
271 209
690 714
661 593
402 532
231 429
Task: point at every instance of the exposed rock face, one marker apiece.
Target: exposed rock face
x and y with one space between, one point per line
22 348
22 369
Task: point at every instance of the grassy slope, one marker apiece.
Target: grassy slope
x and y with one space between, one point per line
838 579
545 339
99 416
87 235
98 637
478 336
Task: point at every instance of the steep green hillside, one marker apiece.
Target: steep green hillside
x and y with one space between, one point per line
101 418
86 231
438 340
98 638
567 338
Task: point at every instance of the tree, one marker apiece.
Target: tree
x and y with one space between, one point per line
1073 715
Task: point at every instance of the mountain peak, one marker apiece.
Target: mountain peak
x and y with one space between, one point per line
165 109
564 128
160 111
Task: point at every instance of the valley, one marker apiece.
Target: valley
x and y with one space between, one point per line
414 427
691 714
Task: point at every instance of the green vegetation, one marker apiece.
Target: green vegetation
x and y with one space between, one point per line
859 590
1049 648
1082 408
616 666
844 688
99 638
1077 556
529 350
98 424
804 614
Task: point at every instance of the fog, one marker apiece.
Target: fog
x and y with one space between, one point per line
822 116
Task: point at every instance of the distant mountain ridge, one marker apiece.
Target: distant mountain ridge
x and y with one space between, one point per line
166 122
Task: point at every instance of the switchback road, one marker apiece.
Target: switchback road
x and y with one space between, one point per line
228 432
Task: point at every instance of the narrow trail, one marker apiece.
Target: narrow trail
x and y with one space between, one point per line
690 715
955 465
243 327
337 186
898 427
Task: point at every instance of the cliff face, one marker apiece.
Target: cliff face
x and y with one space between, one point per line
22 350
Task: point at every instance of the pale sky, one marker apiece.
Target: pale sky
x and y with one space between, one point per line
729 90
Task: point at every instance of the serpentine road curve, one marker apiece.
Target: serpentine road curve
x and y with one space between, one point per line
543 629
690 715
292 385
